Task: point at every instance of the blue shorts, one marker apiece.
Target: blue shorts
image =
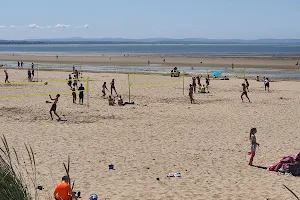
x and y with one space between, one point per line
253 148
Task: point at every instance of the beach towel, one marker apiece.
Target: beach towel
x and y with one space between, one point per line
287 159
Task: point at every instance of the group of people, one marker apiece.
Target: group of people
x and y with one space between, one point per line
245 86
111 99
202 87
20 64
30 73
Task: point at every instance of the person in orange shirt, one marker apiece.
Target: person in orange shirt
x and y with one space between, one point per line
63 190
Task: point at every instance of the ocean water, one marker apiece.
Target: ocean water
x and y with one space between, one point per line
154 48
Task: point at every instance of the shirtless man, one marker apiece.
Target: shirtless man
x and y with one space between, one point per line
53 107
244 92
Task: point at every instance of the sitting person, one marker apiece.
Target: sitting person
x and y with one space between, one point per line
120 101
172 73
202 89
111 101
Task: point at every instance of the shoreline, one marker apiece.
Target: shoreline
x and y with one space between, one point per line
285 62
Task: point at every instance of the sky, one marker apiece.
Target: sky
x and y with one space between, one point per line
136 19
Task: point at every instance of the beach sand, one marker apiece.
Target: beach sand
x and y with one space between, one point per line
239 61
162 133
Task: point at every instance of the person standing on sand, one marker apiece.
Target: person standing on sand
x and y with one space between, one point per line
112 87
18 64
199 82
70 81
29 75
247 84
53 107
267 84
32 69
244 92
191 94
21 63
81 90
74 95
194 83
254 144
6 76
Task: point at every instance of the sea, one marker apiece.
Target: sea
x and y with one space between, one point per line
176 50
154 48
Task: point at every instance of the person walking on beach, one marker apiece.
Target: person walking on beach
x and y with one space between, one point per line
21 63
112 87
267 84
6 76
74 95
254 144
191 93
247 84
81 90
18 64
244 92
103 89
53 107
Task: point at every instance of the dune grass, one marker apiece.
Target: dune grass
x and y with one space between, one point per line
12 183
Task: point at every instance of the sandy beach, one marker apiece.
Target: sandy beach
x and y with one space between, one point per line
207 142
239 61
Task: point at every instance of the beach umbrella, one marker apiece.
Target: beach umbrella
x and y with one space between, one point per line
216 74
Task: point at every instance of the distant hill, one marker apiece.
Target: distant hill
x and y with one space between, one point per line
79 40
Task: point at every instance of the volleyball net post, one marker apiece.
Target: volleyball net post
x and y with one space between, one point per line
88 92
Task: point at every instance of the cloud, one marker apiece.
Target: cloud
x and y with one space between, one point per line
12 26
62 26
86 26
2 26
33 26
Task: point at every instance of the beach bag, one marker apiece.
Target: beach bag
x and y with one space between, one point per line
293 168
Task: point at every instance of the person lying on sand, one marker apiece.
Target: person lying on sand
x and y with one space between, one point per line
53 107
191 93
111 101
244 92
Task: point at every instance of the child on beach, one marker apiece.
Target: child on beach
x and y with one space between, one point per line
6 76
247 84
244 92
103 89
267 84
254 144
111 101
53 107
112 87
120 101
74 95
191 93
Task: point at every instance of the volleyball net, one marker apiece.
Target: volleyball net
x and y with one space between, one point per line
136 81
22 89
